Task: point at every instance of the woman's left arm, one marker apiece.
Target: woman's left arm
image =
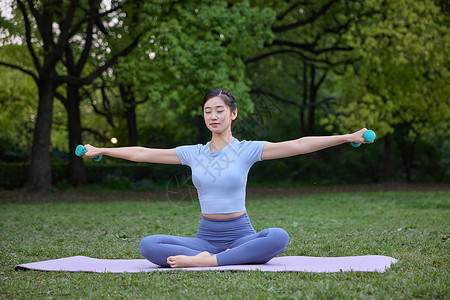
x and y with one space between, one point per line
309 144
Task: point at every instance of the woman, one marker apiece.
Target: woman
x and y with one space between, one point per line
219 172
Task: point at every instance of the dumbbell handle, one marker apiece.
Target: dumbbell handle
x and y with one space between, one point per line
369 136
80 151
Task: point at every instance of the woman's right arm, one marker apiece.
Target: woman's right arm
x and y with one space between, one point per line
137 154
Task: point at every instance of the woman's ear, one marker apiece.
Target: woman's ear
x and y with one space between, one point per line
234 114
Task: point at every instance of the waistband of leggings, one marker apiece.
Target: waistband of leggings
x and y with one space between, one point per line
243 216
222 230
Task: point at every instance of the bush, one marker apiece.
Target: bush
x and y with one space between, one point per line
13 175
117 176
10 152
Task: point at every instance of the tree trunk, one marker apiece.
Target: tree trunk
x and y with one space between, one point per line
77 171
388 169
302 121
305 99
130 115
407 154
40 174
312 100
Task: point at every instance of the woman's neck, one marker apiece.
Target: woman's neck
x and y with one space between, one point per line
219 141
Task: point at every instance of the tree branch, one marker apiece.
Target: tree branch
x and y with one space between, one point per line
106 102
34 12
107 114
98 134
70 61
65 26
291 8
88 16
88 79
273 95
343 26
307 47
299 53
62 99
289 101
46 29
316 86
28 72
87 48
28 35
311 19
282 51
142 101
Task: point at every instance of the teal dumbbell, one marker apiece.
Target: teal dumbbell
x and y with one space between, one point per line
80 151
369 136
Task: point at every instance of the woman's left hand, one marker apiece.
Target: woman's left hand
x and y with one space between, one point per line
358 136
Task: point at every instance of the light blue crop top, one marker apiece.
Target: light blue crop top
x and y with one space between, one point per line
221 177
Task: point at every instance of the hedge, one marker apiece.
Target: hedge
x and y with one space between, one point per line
304 169
15 175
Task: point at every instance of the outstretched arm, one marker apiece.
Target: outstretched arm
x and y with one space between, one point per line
137 154
309 144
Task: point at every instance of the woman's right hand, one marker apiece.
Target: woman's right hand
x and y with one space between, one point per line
91 151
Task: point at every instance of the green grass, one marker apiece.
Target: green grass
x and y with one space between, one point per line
413 227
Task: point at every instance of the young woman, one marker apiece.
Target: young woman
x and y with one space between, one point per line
219 172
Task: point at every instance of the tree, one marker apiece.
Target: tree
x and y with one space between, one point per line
307 100
76 57
400 86
68 35
196 45
57 25
310 36
45 58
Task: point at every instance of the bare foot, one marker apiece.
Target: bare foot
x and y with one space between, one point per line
204 259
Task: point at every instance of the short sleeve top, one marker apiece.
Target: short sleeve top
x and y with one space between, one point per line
221 177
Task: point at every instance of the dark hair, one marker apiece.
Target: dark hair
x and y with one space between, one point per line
223 94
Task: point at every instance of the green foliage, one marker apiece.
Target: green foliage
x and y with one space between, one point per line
402 76
399 78
193 47
18 98
19 102
187 48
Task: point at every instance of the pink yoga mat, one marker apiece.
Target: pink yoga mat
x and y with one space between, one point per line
367 263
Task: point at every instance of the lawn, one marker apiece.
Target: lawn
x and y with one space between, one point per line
412 227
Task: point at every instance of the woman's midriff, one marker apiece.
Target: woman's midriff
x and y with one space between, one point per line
224 216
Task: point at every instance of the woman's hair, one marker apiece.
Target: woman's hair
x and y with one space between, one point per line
223 94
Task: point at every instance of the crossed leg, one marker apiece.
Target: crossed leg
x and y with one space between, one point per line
179 252
256 248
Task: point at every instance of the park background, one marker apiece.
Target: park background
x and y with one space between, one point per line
120 73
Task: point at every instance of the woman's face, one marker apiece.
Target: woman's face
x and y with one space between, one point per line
218 115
